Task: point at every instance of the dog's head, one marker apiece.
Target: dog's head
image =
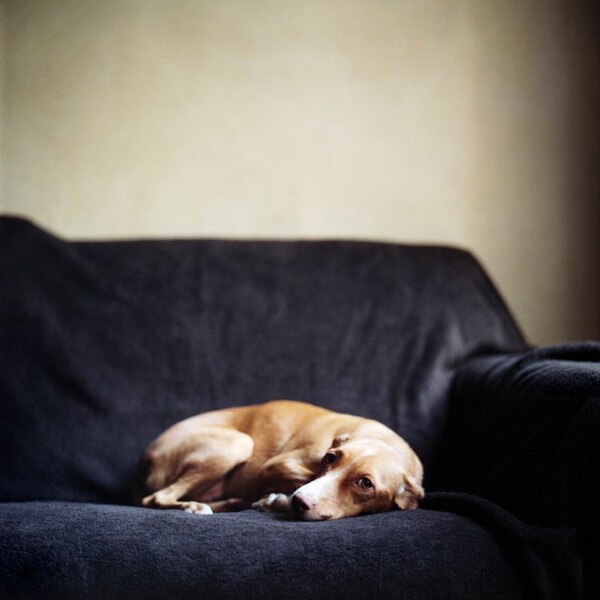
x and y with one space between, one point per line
360 475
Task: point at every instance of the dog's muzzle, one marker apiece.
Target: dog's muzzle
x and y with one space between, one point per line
300 506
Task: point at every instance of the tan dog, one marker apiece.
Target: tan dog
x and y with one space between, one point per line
281 455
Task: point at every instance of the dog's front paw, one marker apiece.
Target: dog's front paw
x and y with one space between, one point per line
273 503
197 508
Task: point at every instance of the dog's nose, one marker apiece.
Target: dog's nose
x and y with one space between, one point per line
299 505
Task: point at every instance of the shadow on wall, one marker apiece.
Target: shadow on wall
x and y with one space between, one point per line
583 214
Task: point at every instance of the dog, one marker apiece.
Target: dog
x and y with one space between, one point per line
281 456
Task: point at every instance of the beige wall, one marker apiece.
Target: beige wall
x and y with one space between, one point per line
445 121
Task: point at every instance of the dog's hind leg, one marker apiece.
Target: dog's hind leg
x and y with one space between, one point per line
188 466
169 497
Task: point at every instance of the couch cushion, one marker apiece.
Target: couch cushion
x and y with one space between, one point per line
58 550
104 345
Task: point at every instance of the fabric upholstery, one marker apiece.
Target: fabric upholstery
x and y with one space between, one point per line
105 344
104 551
507 430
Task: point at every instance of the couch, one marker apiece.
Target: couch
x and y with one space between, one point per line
105 344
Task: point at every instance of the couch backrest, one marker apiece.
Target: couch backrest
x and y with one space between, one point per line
105 344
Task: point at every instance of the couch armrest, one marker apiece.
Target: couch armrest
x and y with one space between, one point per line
507 427
524 431
582 458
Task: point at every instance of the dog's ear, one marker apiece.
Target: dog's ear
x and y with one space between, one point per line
409 493
340 439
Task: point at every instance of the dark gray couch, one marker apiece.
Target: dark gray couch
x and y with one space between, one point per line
104 345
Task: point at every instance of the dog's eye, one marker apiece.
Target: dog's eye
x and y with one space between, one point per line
329 458
365 483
